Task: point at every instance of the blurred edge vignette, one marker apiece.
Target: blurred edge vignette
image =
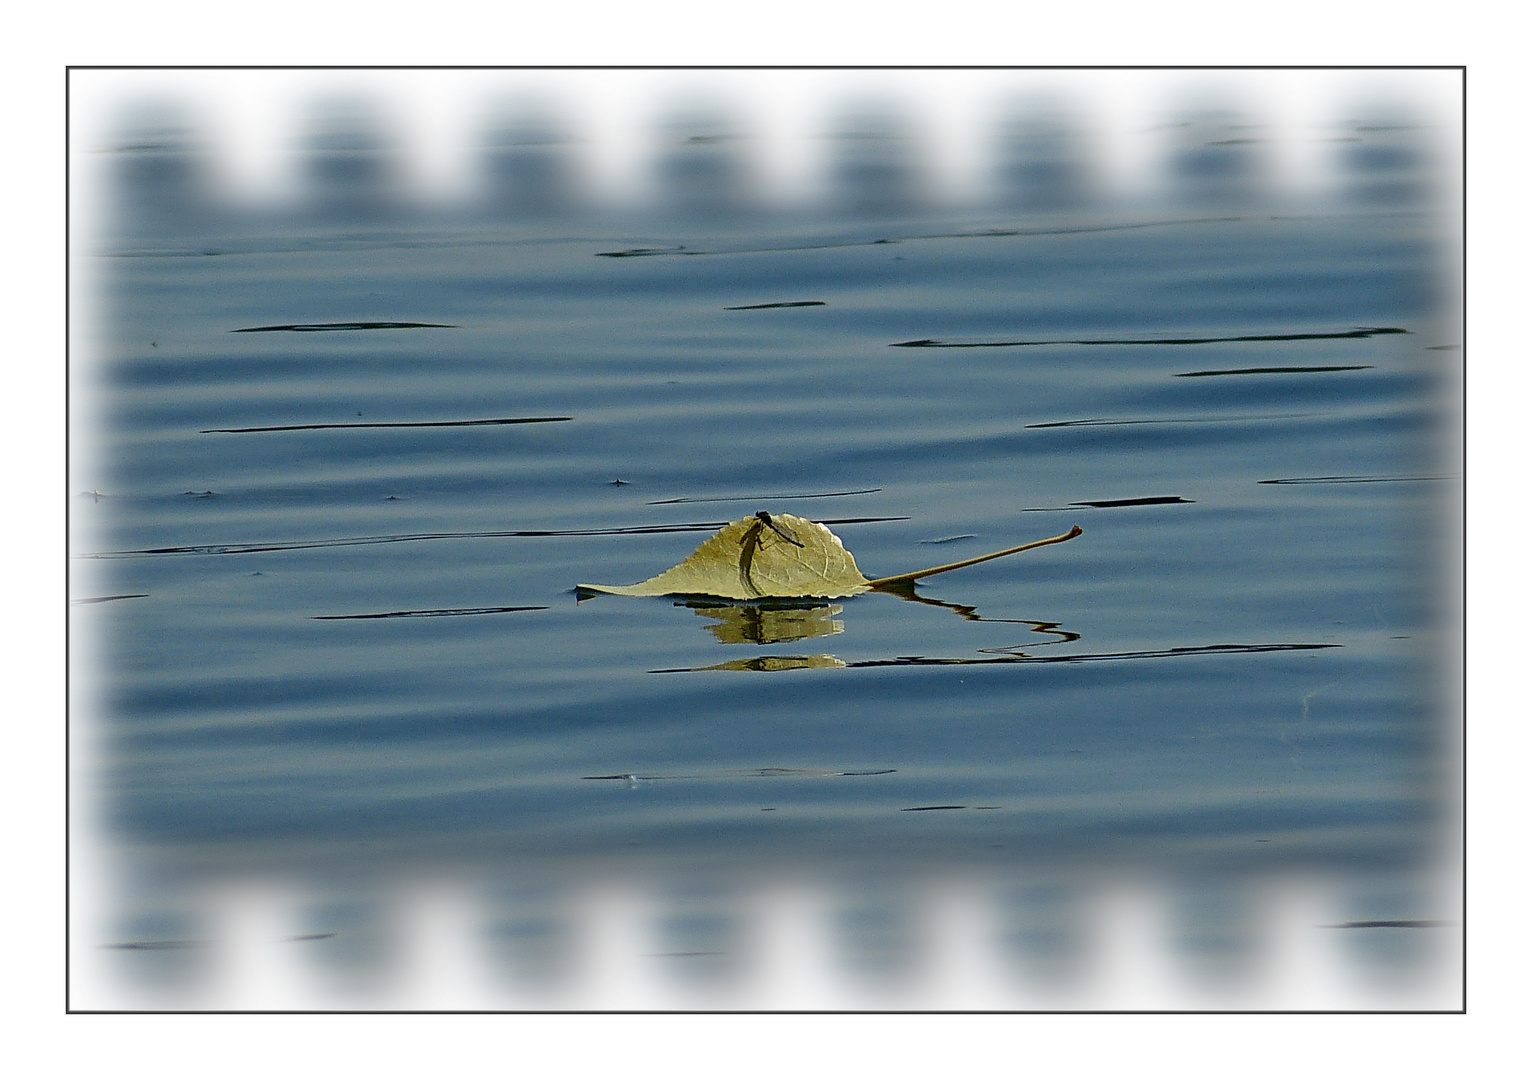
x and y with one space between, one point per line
369 368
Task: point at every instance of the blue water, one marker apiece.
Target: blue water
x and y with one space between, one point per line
241 725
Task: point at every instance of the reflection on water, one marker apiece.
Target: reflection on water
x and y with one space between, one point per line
766 663
768 624
905 590
776 621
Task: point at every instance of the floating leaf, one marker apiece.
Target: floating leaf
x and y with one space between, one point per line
781 556
765 555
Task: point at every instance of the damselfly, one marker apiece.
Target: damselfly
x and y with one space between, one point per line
778 527
750 543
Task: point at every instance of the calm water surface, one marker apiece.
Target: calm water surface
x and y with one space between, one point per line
1237 667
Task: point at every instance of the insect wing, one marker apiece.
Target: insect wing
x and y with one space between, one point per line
779 528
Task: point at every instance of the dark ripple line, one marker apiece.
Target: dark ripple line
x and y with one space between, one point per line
156 946
779 304
746 774
681 249
432 613
1102 422
400 538
314 328
1362 332
1153 500
104 599
1076 658
410 424
1352 479
1273 370
763 498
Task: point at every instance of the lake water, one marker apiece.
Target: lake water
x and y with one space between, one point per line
327 637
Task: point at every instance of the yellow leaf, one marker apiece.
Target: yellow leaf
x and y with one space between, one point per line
782 556
778 555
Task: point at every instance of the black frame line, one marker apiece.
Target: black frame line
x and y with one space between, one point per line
1462 510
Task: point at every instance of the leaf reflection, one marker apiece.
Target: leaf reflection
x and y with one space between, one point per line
772 622
768 624
905 590
765 663
1003 656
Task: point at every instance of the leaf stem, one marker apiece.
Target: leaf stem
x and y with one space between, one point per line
897 579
